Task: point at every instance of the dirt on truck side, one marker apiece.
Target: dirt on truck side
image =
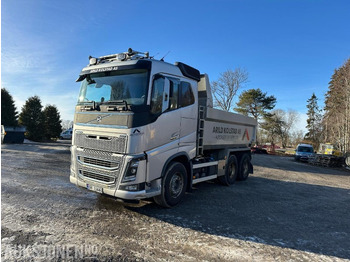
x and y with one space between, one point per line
286 210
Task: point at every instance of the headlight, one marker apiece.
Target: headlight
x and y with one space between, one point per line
131 171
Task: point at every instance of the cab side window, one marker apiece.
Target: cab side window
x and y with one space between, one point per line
186 94
157 95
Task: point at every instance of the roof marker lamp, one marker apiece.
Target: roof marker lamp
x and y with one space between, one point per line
121 56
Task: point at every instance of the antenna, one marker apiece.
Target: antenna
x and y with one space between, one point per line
154 55
162 59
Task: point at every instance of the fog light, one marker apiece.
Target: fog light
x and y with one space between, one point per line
131 187
136 187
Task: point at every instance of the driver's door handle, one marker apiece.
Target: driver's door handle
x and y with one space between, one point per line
174 136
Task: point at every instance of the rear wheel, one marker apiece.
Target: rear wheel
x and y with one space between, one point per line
230 172
347 159
173 185
244 166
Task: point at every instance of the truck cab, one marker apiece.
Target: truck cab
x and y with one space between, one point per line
136 127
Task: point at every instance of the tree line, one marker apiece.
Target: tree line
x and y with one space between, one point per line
332 124
41 123
273 125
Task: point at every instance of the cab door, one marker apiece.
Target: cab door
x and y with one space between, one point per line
164 133
189 113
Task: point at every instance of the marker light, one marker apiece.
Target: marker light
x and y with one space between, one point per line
121 56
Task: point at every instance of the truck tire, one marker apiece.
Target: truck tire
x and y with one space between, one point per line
347 159
174 185
230 172
244 164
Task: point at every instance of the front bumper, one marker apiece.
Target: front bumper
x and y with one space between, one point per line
122 194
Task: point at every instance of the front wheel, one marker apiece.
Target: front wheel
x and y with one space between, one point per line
173 185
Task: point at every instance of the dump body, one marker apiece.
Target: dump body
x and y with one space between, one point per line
222 129
145 128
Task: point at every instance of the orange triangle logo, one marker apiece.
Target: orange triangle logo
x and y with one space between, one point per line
245 134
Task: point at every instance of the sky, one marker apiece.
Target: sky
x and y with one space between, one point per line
290 48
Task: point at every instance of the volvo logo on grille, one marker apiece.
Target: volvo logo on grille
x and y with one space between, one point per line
97 119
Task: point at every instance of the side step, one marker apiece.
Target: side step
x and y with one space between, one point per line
198 180
209 176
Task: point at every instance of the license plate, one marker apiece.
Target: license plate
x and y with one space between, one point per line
94 188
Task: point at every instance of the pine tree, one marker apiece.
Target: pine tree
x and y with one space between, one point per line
273 126
336 122
52 122
9 113
32 118
314 121
255 103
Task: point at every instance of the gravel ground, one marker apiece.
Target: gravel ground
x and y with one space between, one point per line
285 211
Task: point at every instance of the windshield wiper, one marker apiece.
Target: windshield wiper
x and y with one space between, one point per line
117 105
90 107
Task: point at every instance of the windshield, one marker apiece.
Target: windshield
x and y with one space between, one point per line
305 149
115 86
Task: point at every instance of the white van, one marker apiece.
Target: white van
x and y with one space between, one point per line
303 152
67 134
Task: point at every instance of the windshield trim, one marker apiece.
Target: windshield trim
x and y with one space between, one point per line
128 105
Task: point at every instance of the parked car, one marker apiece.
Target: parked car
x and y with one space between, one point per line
258 150
303 152
66 134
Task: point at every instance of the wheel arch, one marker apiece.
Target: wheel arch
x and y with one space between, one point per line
183 158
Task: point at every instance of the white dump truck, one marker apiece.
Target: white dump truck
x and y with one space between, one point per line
145 128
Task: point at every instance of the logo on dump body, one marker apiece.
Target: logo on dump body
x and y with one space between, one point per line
245 134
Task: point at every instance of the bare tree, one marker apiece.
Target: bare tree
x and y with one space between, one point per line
226 87
296 137
288 118
279 124
66 124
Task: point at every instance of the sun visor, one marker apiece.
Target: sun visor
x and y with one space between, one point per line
81 78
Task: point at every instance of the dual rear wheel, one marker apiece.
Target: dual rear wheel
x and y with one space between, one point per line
174 183
236 171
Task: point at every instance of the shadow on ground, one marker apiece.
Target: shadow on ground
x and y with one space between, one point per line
284 214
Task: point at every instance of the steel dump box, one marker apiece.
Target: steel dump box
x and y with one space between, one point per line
223 128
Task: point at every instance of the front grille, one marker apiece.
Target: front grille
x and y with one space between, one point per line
115 144
103 167
97 153
96 176
98 162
